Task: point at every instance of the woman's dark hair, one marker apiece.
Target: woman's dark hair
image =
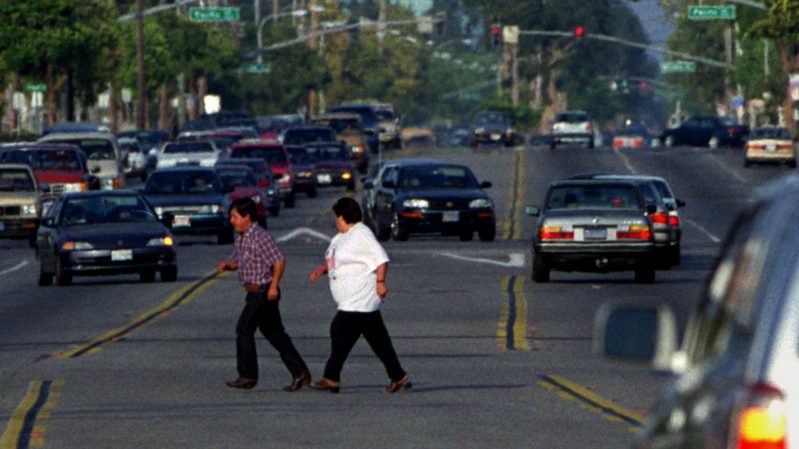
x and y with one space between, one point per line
348 209
245 207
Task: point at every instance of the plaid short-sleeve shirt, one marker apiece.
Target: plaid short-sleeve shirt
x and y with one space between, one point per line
255 252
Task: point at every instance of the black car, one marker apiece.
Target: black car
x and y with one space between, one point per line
707 131
426 196
303 167
300 135
104 233
492 127
195 199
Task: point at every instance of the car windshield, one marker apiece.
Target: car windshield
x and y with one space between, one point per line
188 147
664 190
437 177
303 136
106 209
258 166
188 182
65 160
331 153
611 197
770 133
233 177
299 155
728 121
384 115
15 180
487 118
273 155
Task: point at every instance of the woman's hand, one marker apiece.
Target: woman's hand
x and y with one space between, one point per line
382 290
318 272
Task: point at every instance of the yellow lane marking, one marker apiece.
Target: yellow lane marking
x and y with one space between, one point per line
590 401
512 326
511 226
178 299
22 430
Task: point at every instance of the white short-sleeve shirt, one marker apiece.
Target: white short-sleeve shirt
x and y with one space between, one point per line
352 259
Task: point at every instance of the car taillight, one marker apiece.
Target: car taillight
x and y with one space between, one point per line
635 232
761 420
659 217
84 187
117 183
554 233
674 221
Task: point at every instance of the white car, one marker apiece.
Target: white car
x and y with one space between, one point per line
200 152
573 127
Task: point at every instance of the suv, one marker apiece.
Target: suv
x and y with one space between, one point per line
572 126
707 131
20 202
734 381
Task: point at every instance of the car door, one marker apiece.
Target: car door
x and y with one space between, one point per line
385 192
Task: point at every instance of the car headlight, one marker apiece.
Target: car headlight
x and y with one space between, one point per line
209 209
286 179
78 246
480 203
346 175
161 241
74 187
479 130
159 211
28 209
416 203
256 198
107 183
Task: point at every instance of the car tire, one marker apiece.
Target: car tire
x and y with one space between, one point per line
289 201
669 142
147 276
312 193
488 233
675 256
645 273
62 278
398 232
169 274
225 236
45 279
713 143
540 269
553 145
351 187
274 211
466 236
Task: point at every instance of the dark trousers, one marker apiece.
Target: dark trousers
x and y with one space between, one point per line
260 313
345 330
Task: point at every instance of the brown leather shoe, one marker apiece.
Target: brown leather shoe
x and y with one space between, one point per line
402 384
298 382
242 382
327 385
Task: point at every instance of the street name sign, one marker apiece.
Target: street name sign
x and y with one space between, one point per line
214 14
254 68
711 12
35 87
678 67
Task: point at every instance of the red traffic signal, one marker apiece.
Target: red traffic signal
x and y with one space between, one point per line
496 34
579 32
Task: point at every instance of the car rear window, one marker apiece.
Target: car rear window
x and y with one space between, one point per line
15 180
188 147
611 197
328 153
273 155
234 177
770 133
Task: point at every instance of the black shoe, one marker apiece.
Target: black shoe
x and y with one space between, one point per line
298 382
242 382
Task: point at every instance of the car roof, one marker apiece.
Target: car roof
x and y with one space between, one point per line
76 136
630 177
96 193
257 143
185 168
592 182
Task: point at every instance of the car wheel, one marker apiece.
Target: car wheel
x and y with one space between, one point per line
713 143
675 256
32 240
61 276
274 211
590 143
225 236
645 273
312 193
289 201
669 142
488 233
466 236
45 278
540 269
169 274
792 163
553 145
398 233
147 276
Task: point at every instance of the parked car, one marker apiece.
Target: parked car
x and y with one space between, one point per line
195 200
264 177
593 226
20 203
733 380
304 168
348 129
276 156
572 127
492 127
102 151
706 131
429 196
770 145
332 165
240 182
190 152
104 233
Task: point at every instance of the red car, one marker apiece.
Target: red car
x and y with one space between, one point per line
240 182
278 160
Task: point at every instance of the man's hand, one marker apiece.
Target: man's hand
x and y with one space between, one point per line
273 294
227 265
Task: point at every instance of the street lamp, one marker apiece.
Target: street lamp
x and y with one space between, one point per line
260 32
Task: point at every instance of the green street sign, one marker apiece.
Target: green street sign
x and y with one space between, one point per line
35 87
678 67
214 14
712 12
254 68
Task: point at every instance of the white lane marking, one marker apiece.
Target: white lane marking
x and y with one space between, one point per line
516 260
729 169
626 161
14 268
300 231
704 231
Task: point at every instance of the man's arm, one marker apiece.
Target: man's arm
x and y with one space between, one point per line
277 274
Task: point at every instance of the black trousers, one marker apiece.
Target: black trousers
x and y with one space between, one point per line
345 330
260 313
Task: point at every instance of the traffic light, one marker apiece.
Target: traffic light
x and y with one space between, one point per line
496 35
644 86
579 32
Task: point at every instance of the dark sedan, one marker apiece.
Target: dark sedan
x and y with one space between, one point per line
426 196
194 197
104 233
333 165
707 131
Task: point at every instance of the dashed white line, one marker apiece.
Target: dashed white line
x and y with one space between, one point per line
14 268
626 161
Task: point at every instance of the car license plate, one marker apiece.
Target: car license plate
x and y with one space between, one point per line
495 136
324 179
181 221
450 216
771 148
595 234
121 254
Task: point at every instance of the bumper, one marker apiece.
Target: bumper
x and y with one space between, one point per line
492 137
448 222
199 224
304 184
18 228
572 137
767 156
335 179
596 257
102 262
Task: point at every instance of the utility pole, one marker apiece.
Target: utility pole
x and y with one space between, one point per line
141 113
314 44
381 25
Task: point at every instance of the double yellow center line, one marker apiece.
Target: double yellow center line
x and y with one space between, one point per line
511 228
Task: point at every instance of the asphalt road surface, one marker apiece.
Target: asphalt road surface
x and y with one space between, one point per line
495 360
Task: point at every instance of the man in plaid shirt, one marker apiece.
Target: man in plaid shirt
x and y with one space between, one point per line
260 266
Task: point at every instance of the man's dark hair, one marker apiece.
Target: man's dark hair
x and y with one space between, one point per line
245 207
348 209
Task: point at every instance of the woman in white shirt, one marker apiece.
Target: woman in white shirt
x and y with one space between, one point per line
357 266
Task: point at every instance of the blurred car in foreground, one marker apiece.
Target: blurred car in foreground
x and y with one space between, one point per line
733 378
104 233
572 127
332 165
195 200
770 145
429 196
20 203
706 131
593 226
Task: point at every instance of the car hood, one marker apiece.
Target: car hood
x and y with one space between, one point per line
244 192
18 198
115 235
444 194
184 199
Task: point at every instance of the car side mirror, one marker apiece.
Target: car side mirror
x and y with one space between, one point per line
680 203
167 218
651 209
485 184
532 211
368 183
